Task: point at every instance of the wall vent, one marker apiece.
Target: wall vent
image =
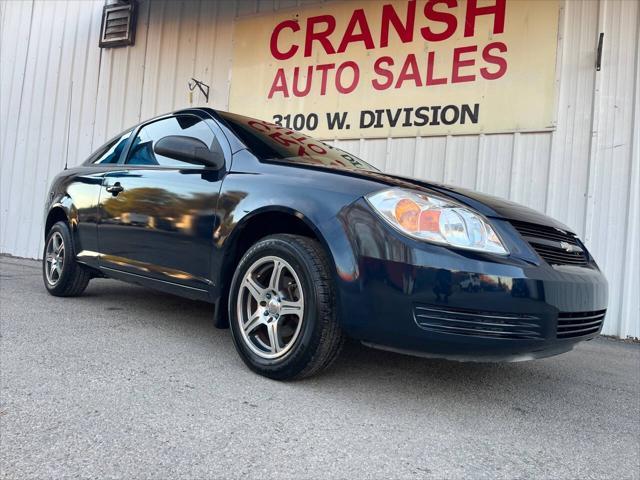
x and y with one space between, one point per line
118 25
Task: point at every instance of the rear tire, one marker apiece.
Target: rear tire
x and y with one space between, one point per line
284 326
63 276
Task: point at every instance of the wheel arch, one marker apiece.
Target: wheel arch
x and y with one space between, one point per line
259 224
63 210
57 213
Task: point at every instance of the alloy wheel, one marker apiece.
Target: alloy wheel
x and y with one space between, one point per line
270 307
54 257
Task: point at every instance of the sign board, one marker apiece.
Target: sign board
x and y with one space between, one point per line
367 69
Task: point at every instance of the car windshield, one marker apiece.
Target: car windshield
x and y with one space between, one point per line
271 142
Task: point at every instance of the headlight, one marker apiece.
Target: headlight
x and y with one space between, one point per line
435 219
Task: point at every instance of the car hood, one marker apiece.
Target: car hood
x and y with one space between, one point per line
487 205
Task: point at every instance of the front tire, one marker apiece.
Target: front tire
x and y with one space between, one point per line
63 276
282 308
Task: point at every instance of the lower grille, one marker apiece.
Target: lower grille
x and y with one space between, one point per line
555 246
579 324
473 323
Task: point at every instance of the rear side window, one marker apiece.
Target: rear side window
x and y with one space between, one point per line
110 152
141 151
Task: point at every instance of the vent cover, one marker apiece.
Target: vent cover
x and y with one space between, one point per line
118 25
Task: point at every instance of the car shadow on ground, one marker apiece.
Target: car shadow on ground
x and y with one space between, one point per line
357 364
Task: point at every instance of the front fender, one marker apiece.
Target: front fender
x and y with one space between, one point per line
330 233
60 204
315 197
76 192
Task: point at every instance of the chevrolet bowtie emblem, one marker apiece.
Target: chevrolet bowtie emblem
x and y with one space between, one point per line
569 248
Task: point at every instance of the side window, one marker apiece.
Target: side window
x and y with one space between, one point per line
141 151
111 151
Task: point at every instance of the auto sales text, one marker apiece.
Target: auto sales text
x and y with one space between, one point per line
435 23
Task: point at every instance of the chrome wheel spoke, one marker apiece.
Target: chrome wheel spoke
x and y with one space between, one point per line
57 243
52 270
274 281
253 323
292 308
254 288
274 340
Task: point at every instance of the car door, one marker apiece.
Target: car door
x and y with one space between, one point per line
157 215
84 194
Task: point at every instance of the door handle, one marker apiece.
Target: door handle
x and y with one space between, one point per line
115 189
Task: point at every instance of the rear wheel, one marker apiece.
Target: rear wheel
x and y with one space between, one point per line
282 308
63 276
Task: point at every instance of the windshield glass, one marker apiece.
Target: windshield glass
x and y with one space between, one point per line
269 141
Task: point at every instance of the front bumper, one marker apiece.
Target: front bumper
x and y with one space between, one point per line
420 298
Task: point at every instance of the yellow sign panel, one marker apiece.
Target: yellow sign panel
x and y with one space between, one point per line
373 68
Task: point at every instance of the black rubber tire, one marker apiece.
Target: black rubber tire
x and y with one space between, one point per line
321 338
74 278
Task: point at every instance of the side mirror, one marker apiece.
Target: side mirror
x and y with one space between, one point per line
189 150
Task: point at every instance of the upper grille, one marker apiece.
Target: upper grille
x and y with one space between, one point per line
579 324
457 321
555 246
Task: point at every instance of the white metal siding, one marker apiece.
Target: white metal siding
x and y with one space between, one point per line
586 173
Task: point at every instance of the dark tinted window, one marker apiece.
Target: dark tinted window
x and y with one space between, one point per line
110 152
141 152
268 141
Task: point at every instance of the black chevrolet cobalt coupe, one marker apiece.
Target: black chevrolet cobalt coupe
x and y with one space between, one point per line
298 244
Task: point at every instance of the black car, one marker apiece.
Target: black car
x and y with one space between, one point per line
298 244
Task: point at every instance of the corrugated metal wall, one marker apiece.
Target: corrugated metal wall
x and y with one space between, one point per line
586 173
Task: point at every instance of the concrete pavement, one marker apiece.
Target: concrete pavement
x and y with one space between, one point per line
130 383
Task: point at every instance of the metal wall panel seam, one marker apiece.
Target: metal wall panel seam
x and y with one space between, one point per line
12 163
479 158
569 140
9 161
67 146
125 93
94 77
47 138
24 69
631 267
194 58
612 150
592 170
39 78
157 72
63 139
175 70
151 60
560 57
95 105
387 154
514 153
229 59
144 60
